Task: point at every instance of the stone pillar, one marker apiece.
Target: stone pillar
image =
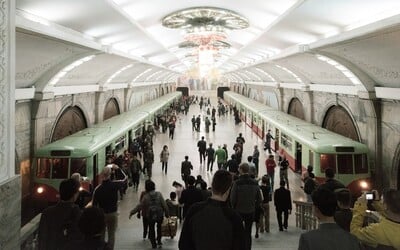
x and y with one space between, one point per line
10 201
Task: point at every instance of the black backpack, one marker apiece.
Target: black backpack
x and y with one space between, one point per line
155 211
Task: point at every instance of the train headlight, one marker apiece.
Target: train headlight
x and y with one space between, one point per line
40 190
364 185
80 188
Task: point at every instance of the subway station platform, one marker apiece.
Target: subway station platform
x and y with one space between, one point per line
129 233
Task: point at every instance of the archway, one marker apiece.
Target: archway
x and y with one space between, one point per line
70 121
296 108
338 120
111 109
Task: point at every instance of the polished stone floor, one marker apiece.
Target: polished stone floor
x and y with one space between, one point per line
129 234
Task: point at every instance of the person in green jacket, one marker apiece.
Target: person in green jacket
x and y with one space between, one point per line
386 232
220 155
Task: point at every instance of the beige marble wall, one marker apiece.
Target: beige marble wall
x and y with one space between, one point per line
10 213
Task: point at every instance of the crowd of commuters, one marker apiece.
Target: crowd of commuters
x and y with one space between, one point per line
220 216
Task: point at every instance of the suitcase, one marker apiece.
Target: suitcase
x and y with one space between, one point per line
169 227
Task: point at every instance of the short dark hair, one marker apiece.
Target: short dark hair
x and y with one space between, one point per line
244 167
329 173
282 183
91 222
221 182
186 157
191 180
344 197
149 185
172 195
325 200
203 185
249 158
68 188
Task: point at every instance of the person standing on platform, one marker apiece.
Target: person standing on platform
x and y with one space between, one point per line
210 157
252 167
212 224
266 192
256 158
59 224
232 165
171 126
193 123
190 195
270 164
283 204
213 123
164 155
148 160
186 169
331 183
198 122
240 139
207 124
220 156
245 198
135 168
213 111
283 170
202 145
329 236
105 196
267 145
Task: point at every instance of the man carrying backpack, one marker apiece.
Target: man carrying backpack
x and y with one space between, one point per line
153 207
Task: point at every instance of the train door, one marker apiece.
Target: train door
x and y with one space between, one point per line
298 158
95 171
277 132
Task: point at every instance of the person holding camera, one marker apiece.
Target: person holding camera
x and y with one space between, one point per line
384 233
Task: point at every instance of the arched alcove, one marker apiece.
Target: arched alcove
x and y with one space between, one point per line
111 109
70 121
338 120
296 108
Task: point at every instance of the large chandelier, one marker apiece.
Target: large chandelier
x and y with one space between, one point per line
205 30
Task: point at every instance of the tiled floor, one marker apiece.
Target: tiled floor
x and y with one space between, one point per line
129 234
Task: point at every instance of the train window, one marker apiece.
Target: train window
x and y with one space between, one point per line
345 164
360 164
78 165
43 168
120 143
60 168
327 161
286 140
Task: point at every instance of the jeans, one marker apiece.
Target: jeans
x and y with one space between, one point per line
264 219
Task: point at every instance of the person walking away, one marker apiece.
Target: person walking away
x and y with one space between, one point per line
171 126
135 168
207 124
266 192
385 233
190 195
252 167
213 123
164 155
256 158
329 236
283 204
232 165
193 123
198 122
148 160
245 198
154 207
212 224
283 170
270 164
59 223
105 196
210 157
186 168
268 138
220 156
202 145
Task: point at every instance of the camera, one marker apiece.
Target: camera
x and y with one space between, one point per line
369 196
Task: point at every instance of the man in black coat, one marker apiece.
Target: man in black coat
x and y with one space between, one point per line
212 224
190 195
202 145
283 204
59 224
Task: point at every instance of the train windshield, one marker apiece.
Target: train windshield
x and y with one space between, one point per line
52 168
78 165
345 163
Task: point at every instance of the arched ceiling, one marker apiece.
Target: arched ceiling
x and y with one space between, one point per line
283 44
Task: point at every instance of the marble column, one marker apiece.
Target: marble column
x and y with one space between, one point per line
10 191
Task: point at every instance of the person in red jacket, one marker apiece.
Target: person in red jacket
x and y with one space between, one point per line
270 164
